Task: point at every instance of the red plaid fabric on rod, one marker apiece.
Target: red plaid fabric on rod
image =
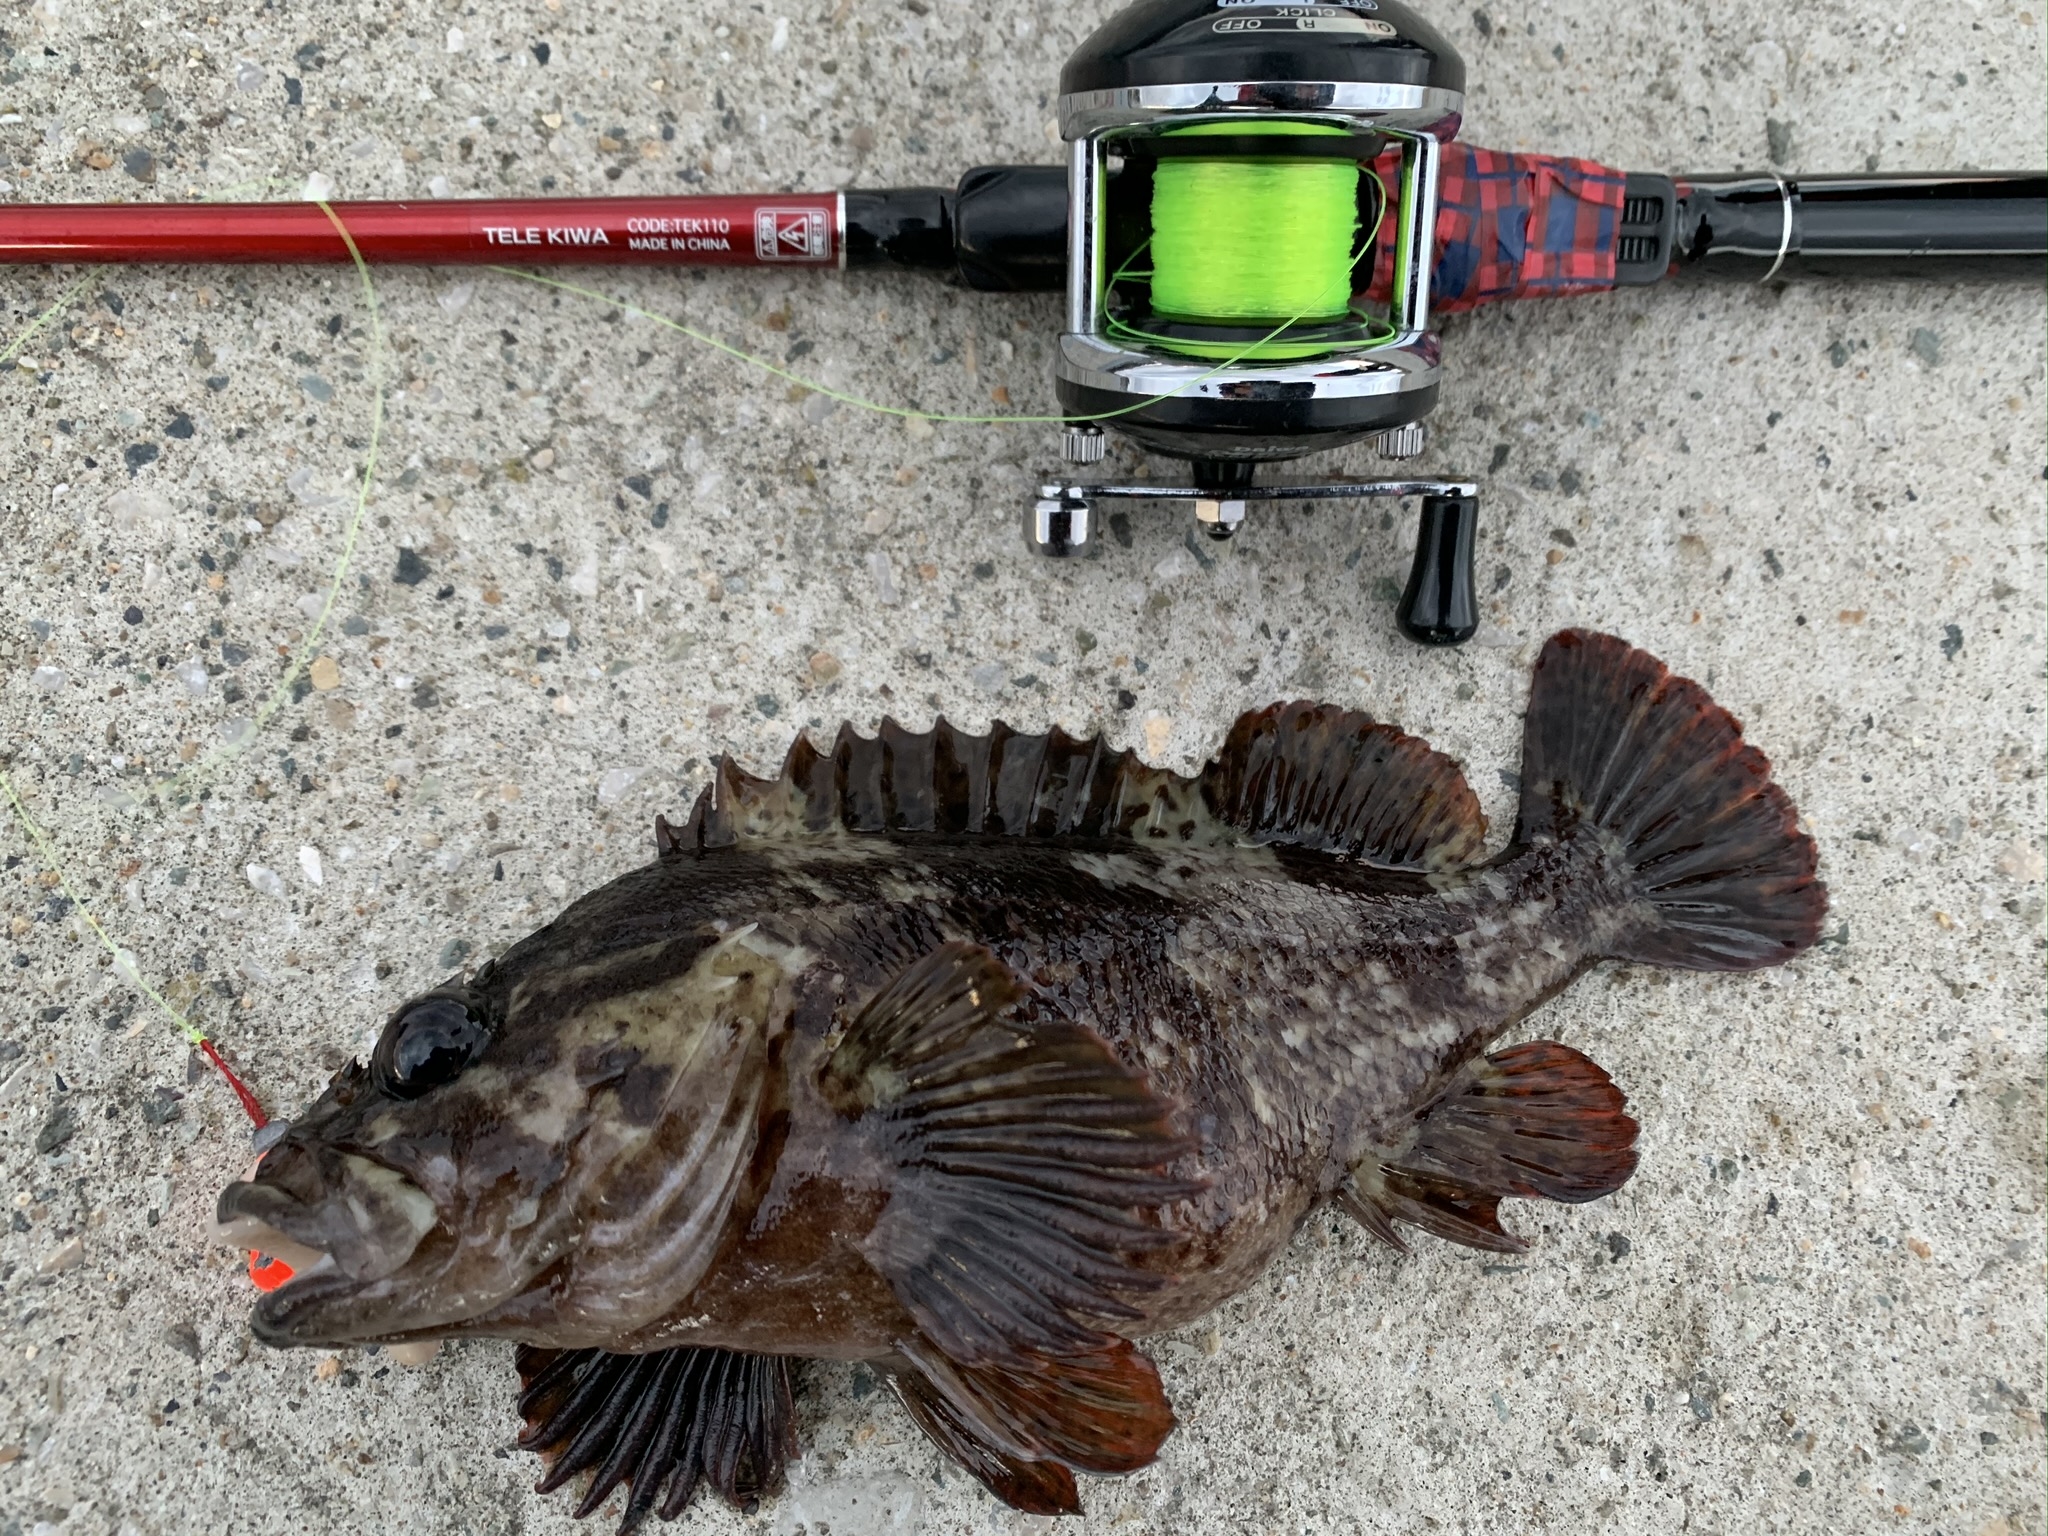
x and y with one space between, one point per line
1512 227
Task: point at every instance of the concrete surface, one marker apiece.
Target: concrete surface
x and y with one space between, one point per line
1819 1306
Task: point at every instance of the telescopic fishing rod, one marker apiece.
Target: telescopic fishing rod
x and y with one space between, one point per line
1263 211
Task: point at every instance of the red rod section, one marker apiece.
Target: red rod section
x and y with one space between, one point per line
801 229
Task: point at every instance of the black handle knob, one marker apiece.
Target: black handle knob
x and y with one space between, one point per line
1441 605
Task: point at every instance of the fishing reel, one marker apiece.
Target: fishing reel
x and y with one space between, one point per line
1189 351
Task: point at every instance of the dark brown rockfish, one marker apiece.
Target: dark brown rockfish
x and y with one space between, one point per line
979 1057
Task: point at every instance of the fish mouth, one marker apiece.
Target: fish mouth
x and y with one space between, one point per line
348 1242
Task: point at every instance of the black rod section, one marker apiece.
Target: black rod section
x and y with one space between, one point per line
1946 226
1002 230
1004 227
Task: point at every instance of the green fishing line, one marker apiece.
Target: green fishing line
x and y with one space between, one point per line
1228 356
178 789
1297 293
1267 242
1253 239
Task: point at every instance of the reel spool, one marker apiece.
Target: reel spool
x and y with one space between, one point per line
1223 214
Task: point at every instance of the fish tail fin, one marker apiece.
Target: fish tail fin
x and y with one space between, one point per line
1619 746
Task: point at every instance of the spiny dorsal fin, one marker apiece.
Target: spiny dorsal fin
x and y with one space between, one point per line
668 843
1534 1122
945 781
1028 1162
1306 774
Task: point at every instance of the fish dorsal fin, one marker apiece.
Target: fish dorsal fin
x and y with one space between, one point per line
661 1423
1027 1164
943 781
1330 779
1306 774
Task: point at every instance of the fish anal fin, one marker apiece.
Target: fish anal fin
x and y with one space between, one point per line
1320 777
1360 1201
1099 1408
1537 1121
1027 1164
1379 1197
660 1423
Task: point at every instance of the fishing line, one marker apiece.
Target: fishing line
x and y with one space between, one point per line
177 786
1321 286
1238 239
13 348
1299 290
1251 239
124 960
859 402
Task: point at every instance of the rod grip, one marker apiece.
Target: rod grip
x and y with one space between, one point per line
1441 604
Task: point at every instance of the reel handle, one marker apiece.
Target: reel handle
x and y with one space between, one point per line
1441 604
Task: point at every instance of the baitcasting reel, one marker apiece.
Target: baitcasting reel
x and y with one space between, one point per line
1233 394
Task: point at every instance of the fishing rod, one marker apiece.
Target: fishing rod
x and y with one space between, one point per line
1264 210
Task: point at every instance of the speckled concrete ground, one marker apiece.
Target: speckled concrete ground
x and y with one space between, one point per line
595 556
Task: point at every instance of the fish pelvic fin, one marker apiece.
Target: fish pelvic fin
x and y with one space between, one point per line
1534 1122
1306 774
1028 1165
661 1423
1619 746
1036 1487
1026 1427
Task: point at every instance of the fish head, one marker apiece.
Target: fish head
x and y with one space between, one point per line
546 1152
373 1193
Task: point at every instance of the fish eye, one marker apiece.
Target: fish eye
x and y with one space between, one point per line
429 1044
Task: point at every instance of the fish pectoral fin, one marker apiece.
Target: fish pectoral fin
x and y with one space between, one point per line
1027 1165
661 1423
1025 1425
1535 1122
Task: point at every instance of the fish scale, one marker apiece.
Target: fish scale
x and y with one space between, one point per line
980 1058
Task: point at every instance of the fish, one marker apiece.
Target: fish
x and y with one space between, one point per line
981 1058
